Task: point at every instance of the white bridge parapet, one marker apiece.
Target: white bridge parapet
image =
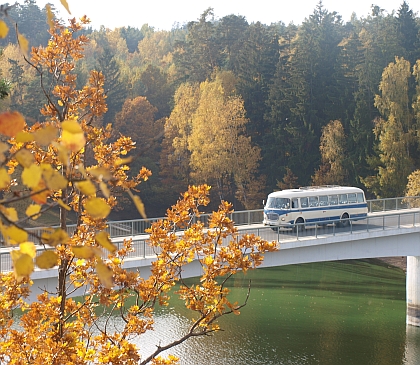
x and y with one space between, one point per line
379 235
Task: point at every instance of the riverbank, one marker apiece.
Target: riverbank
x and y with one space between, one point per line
398 261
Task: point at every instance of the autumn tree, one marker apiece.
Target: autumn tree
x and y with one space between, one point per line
333 155
210 123
394 132
68 163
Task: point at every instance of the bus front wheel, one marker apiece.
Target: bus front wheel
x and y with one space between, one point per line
345 222
299 225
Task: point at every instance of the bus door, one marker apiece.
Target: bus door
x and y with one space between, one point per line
324 211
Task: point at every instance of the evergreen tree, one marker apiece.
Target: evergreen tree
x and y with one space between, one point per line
114 89
408 33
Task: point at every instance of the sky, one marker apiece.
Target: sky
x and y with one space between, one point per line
164 14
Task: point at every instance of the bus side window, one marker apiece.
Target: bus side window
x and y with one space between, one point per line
343 198
352 198
313 201
303 202
333 199
360 198
295 203
323 200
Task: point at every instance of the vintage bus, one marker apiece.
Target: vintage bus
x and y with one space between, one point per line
312 205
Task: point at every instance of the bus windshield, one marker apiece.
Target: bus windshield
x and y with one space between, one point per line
278 203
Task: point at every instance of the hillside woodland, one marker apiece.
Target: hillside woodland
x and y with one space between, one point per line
248 107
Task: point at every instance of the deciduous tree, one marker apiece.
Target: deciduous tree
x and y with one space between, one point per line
55 171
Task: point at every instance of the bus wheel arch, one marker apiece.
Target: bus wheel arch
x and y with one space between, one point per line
344 222
299 224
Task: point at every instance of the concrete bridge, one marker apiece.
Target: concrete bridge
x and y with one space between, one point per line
386 233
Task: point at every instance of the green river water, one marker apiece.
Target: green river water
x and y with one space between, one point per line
347 313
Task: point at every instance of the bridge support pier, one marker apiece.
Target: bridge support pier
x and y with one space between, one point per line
413 290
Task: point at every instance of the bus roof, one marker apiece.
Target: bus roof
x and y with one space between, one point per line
315 190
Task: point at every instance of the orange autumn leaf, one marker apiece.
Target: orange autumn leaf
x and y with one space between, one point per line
40 193
105 274
103 239
11 123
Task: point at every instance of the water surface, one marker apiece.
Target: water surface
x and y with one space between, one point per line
347 313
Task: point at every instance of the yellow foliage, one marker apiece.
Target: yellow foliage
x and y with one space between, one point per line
50 16
54 172
47 260
33 210
97 208
23 44
66 5
4 179
86 187
103 239
45 135
31 176
15 234
23 264
4 29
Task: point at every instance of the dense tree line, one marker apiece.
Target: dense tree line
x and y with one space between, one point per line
328 101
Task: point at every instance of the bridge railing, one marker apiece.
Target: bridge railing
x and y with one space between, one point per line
378 222
242 217
387 204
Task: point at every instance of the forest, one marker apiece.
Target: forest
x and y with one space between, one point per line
249 108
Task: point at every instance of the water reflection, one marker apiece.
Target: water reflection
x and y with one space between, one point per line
345 313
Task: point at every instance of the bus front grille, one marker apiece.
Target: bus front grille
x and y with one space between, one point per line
272 217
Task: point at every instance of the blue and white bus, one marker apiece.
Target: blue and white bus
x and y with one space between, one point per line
315 205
